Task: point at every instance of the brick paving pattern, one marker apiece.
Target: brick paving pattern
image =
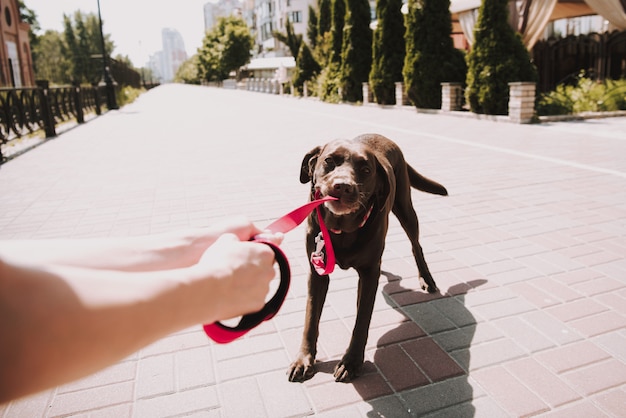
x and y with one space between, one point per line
528 251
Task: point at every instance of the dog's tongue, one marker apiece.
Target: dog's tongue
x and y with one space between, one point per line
297 216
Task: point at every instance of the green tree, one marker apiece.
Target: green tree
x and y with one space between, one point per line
387 51
336 31
188 71
49 61
225 48
324 21
357 50
81 44
291 39
312 27
497 58
306 67
431 57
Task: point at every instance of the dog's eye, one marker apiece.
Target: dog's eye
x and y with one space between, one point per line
366 171
329 162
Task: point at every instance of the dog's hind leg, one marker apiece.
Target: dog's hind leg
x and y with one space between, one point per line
403 209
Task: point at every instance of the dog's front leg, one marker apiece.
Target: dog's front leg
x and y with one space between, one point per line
303 367
350 365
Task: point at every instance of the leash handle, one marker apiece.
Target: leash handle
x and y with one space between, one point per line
222 334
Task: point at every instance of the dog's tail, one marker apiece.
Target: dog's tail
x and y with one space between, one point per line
425 184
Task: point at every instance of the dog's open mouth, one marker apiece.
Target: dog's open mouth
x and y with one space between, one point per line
342 206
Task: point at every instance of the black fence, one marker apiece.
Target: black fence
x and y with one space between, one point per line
599 56
24 111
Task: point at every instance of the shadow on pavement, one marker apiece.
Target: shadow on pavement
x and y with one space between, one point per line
426 366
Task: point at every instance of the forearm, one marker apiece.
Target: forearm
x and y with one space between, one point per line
143 253
56 321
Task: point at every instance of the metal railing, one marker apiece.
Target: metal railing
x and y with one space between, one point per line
24 111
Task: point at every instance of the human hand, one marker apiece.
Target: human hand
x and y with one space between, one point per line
234 275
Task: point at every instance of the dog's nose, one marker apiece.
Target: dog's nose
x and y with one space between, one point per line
343 188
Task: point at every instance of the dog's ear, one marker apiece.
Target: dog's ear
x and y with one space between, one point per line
308 165
385 184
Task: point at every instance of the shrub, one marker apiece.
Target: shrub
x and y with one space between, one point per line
497 58
431 57
586 95
306 67
127 95
356 53
387 51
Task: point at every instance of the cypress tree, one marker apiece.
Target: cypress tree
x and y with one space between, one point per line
338 21
324 17
356 54
306 67
311 27
431 57
387 51
498 57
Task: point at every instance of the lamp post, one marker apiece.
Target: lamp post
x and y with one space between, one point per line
106 71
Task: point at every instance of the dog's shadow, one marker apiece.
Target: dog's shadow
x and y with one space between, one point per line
422 364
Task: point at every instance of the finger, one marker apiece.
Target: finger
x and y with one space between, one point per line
275 238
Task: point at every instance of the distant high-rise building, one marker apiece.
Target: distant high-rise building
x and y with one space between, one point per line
223 8
174 53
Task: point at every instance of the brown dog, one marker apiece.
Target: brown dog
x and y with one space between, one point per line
370 178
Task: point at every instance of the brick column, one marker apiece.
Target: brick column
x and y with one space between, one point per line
521 102
366 93
401 98
451 96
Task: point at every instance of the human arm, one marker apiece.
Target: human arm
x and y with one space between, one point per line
65 322
175 249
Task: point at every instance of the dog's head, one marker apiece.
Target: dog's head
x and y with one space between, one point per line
349 171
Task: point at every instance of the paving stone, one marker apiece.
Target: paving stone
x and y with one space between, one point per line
155 376
441 395
509 392
179 403
576 309
597 377
435 362
545 384
398 368
572 356
523 334
93 398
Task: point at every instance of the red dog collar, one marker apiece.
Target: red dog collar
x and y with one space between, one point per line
221 333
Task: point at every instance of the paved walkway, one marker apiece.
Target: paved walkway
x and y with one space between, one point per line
528 251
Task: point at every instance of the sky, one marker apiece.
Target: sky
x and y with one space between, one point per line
134 25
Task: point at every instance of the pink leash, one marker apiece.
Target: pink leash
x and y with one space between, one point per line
221 333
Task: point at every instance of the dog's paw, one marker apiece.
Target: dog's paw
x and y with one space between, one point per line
347 370
303 368
429 287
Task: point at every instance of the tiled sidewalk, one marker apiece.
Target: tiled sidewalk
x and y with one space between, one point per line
528 251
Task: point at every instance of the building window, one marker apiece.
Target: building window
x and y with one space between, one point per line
7 16
295 17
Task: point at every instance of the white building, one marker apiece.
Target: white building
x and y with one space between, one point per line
174 53
272 15
223 8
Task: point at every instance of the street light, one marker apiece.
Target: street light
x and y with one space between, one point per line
106 71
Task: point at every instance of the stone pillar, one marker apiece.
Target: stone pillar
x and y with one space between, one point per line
401 98
366 93
521 101
451 96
